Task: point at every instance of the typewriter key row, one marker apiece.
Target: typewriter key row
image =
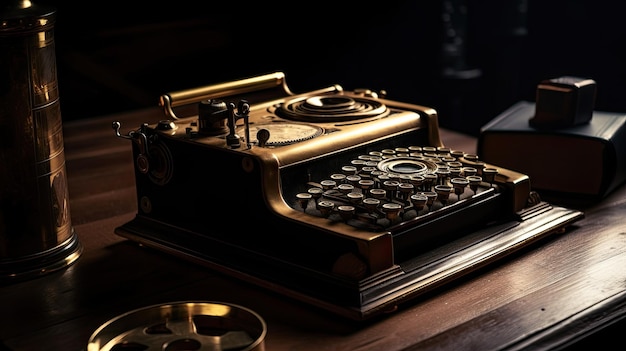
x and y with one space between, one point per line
393 185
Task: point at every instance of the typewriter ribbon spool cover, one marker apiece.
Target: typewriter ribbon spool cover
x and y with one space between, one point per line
362 205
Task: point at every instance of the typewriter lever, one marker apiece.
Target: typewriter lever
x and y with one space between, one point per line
243 108
138 137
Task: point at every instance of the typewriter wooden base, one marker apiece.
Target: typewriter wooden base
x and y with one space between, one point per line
374 295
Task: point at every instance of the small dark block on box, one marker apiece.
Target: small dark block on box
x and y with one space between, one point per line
564 102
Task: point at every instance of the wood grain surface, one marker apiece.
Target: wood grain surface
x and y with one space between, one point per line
545 296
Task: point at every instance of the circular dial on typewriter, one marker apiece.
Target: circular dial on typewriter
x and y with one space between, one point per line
278 134
332 108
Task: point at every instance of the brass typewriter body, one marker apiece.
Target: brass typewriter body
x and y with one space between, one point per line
342 199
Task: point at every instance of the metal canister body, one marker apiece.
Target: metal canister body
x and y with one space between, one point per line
36 233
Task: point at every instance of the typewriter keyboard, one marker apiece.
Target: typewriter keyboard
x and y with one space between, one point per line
385 188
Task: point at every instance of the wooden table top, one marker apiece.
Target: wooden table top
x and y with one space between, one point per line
544 296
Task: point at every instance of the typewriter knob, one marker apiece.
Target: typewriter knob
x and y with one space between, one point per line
166 125
212 115
263 135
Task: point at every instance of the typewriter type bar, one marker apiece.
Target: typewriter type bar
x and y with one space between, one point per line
359 204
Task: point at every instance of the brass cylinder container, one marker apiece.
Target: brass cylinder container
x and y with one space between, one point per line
36 233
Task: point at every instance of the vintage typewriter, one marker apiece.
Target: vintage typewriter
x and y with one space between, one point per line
342 199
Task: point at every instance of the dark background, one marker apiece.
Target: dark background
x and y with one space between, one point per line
469 60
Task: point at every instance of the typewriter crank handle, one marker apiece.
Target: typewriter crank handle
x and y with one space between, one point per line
139 138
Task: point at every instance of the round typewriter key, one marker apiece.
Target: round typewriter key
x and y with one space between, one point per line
392 210
303 199
443 150
325 207
443 193
443 174
404 178
366 184
371 204
471 157
346 212
431 196
316 193
358 164
355 197
353 179
345 188
459 185
474 181
479 165
328 184
419 201
429 180
368 169
338 177
378 193
455 172
457 153
469 171
348 170
405 189
381 179
391 185
417 181
393 176
489 174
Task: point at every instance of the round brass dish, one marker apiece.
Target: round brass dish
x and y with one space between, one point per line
184 325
